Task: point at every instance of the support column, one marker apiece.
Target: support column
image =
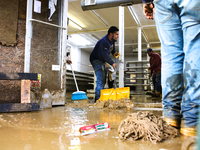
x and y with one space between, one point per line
28 36
121 46
148 46
64 44
139 44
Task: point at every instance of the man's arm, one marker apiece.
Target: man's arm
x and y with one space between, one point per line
105 53
151 69
151 72
153 65
114 53
69 58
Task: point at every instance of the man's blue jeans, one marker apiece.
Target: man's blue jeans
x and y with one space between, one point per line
156 81
178 27
101 73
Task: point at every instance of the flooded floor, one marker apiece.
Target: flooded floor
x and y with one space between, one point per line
57 129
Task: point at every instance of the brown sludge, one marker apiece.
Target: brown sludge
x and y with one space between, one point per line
147 126
115 104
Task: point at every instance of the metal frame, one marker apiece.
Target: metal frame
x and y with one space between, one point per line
43 22
139 44
64 44
28 37
121 46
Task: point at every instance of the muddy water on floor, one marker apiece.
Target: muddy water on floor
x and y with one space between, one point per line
57 129
146 101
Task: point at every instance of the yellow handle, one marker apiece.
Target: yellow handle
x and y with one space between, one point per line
116 55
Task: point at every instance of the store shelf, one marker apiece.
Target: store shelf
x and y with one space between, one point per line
137 84
133 72
136 67
137 78
137 62
137 75
83 80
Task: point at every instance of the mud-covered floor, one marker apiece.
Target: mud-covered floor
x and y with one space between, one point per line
57 129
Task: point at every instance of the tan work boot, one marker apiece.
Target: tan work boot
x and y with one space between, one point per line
151 92
173 122
188 131
156 94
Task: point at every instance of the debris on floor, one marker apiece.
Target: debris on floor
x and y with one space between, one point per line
147 126
189 143
94 128
124 103
115 104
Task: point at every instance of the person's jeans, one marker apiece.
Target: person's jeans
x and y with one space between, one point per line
178 27
156 81
100 72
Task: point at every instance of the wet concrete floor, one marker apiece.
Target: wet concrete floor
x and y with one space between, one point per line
57 129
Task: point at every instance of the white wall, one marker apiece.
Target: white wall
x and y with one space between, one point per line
80 60
85 65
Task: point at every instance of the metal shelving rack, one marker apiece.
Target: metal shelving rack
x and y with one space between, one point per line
137 75
83 79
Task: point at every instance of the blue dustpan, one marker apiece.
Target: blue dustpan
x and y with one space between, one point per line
79 95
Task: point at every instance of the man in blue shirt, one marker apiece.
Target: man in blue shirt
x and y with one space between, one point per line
101 55
178 27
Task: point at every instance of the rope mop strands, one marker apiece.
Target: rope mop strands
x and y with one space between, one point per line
147 126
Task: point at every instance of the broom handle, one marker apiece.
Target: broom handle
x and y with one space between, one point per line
74 78
115 82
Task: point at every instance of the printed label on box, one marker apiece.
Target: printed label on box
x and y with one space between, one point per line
36 83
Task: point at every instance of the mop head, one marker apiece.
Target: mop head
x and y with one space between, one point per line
147 126
80 95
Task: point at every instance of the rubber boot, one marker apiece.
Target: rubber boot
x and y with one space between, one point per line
156 94
188 131
150 92
173 122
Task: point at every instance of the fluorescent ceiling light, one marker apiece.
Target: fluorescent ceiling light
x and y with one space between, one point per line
95 37
100 17
134 15
145 37
79 40
73 23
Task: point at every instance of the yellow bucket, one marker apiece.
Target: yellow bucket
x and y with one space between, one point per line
114 94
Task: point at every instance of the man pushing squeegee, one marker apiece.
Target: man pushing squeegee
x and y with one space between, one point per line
101 60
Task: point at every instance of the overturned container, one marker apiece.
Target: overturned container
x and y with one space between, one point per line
46 100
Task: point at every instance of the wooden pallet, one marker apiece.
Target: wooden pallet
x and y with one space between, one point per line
18 107
25 104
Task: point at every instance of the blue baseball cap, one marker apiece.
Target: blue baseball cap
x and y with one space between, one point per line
149 50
